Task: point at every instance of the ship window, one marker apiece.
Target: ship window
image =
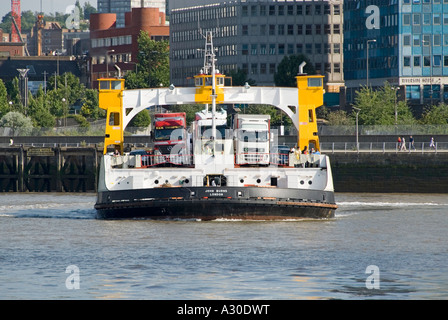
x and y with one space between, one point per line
314 82
104 85
114 119
198 82
116 85
310 115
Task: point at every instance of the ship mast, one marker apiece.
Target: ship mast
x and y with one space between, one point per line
209 68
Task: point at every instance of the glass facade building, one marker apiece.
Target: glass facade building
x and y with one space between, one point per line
255 35
405 43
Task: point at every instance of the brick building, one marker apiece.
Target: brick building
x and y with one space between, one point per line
112 46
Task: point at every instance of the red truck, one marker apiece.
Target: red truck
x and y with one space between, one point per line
171 139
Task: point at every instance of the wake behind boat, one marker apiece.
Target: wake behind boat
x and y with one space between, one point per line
212 170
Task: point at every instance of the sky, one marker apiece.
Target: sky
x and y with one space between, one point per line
48 6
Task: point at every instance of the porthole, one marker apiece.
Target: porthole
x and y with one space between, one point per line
302 182
156 182
258 180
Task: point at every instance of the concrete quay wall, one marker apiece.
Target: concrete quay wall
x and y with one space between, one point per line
378 172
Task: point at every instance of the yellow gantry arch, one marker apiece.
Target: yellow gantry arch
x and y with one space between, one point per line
298 103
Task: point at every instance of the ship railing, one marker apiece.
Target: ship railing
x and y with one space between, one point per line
280 159
384 147
150 160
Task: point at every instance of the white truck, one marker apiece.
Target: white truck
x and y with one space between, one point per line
252 139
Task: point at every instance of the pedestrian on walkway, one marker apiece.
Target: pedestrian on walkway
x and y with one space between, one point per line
403 144
399 143
432 144
411 143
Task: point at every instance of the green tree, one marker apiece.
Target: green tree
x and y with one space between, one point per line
435 115
339 118
239 78
4 101
153 64
39 112
88 9
90 108
141 120
378 107
288 69
19 124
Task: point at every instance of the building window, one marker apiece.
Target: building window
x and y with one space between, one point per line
253 11
406 19
336 29
272 49
406 61
412 92
445 61
437 60
290 48
426 61
245 30
416 19
299 29
254 68
318 48
281 29
336 10
272 29
281 49
244 11
245 49
262 49
336 48
272 68
327 29
416 40
308 48
416 61
337 68
263 68
290 10
317 10
290 29
318 29
436 18
272 10
253 49
406 40
309 29
299 48
262 10
281 10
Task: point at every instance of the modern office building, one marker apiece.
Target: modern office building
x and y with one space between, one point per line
255 35
120 7
403 42
112 46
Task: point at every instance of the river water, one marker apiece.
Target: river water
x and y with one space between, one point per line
379 246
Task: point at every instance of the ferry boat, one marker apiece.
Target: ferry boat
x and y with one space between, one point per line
222 178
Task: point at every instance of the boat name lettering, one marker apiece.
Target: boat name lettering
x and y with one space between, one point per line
216 193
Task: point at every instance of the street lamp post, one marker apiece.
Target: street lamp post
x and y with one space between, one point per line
395 107
357 138
371 40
